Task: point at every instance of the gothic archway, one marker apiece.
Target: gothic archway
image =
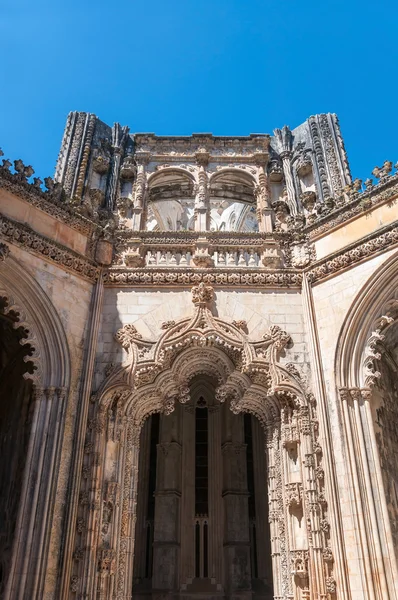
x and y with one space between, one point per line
40 390
248 378
367 371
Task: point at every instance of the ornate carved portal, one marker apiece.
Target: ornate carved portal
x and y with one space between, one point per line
245 377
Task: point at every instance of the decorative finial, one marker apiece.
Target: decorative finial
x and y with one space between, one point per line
202 294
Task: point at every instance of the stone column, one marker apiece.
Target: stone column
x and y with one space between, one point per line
287 171
139 191
142 503
166 544
188 496
215 494
264 211
202 211
274 502
237 579
264 564
118 139
30 560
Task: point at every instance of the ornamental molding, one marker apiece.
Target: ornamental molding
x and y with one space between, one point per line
212 345
23 236
377 242
360 202
220 147
26 337
286 278
46 202
374 344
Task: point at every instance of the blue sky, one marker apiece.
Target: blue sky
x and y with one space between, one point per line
229 67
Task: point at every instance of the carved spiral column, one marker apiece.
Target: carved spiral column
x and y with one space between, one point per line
287 171
202 197
139 191
119 135
264 212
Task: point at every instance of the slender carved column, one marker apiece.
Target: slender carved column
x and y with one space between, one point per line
275 509
366 396
119 135
264 211
357 498
139 191
260 488
124 567
76 468
357 401
142 503
188 496
325 439
37 494
237 578
166 544
202 197
215 490
285 139
287 171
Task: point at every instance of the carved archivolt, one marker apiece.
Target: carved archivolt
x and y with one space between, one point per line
37 315
154 376
360 342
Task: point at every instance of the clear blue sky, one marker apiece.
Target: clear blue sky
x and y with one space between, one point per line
229 67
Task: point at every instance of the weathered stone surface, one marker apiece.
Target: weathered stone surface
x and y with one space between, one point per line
198 366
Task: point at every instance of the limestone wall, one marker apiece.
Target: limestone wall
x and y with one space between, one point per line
71 297
148 309
333 300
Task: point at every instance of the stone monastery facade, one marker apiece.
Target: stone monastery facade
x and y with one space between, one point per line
198 369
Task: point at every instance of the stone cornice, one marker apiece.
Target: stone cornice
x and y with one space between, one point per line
44 201
378 241
369 246
286 278
222 147
23 236
383 192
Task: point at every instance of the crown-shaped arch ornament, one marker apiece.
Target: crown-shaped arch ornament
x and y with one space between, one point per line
249 378
207 342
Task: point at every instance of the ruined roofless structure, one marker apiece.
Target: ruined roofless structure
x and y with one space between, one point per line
199 369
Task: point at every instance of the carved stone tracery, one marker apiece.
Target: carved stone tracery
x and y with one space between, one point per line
250 379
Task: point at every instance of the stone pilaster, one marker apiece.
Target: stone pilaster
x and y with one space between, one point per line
139 191
264 564
237 580
142 503
166 544
188 496
215 491
202 196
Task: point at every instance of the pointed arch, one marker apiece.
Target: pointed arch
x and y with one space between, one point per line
51 378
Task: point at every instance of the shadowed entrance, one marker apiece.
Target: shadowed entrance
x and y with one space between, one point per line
202 511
